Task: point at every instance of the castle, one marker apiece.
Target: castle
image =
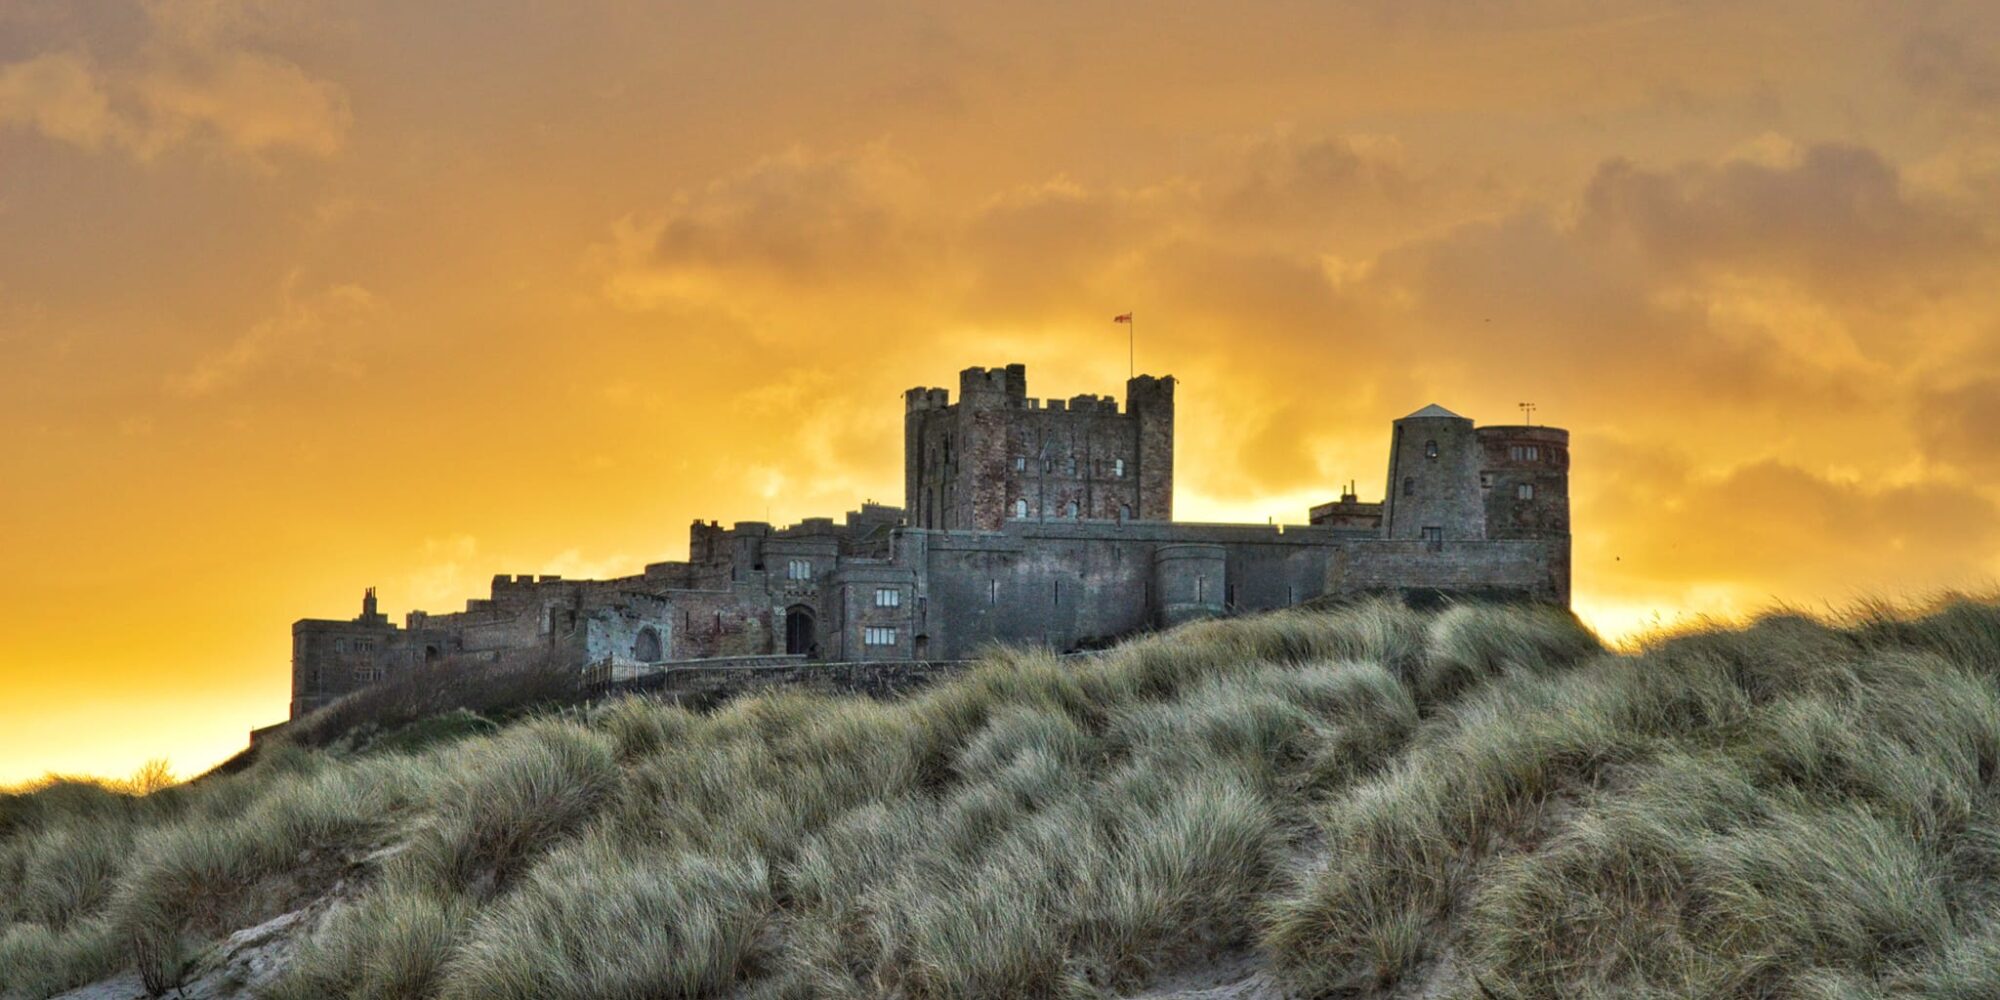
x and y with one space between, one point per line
1025 521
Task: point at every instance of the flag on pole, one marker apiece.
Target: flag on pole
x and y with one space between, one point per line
1122 318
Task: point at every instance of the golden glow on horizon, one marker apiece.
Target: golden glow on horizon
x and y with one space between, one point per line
297 298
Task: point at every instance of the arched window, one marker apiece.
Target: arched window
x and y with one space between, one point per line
430 654
1069 509
646 648
1124 512
1430 449
1409 486
1020 508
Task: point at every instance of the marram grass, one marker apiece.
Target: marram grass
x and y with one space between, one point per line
1475 803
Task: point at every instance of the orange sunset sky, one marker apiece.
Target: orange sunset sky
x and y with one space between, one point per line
298 298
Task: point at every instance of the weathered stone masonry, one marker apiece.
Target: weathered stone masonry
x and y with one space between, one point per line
1024 521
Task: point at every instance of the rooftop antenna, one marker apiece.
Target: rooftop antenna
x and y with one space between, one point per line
1527 413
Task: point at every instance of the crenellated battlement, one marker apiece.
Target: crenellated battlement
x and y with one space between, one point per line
1025 520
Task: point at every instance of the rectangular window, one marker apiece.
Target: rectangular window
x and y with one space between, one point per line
1434 539
366 675
1525 453
1118 467
1020 464
888 597
878 635
1525 491
799 569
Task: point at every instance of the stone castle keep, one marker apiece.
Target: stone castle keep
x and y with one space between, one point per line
1025 521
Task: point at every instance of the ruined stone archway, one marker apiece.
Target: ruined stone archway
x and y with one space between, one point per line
646 647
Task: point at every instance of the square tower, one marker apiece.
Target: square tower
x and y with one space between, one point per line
998 456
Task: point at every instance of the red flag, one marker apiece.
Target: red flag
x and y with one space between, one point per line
1122 318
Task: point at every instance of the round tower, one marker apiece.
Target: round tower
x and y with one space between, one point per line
1189 582
1433 492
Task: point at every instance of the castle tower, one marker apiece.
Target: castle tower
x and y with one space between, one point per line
1524 476
1151 404
1433 492
997 457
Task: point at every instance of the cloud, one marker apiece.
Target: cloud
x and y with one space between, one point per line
1288 180
309 331
57 94
1839 220
791 222
1959 425
252 102
1953 67
1772 527
198 78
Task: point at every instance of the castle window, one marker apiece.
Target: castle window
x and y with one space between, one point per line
1409 486
1069 467
993 591
1486 480
1118 467
878 635
1020 463
1525 453
1124 512
366 675
1525 491
1020 508
1430 449
1433 539
888 597
1069 510
799 569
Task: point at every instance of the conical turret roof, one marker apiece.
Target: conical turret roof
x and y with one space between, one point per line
1434 410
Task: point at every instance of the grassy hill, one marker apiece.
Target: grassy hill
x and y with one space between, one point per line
1477 803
